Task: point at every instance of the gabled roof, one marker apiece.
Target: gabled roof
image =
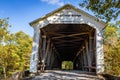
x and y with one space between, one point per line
60 9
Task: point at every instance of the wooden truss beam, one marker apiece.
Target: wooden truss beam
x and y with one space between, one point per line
80 50
61 47
68 45
67 41
71 35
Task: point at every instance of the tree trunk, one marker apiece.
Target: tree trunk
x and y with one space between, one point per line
4 72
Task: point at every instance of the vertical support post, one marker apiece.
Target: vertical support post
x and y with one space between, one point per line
85 59
90 49
35 49
90 45
88 55
52 58
43 49
82 61
46 52
99 52
51 52
94 50
49 55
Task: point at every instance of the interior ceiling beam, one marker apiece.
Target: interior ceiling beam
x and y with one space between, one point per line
70 35
69 41
60 39
54 33
62 34
59 34
75 37
67 45
68 32
73 43
61 47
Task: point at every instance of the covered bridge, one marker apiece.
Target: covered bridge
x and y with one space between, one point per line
68 34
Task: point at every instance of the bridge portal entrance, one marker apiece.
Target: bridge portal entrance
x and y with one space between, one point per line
68 34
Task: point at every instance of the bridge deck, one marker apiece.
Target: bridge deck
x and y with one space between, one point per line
66 75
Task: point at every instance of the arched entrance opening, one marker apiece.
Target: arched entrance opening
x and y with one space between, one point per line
68 42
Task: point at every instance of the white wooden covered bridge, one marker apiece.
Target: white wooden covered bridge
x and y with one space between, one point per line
68 34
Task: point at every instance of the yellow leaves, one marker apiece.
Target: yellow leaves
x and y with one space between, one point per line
110 31
15 49
112 50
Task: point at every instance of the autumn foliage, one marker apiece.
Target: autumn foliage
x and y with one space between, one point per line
15 50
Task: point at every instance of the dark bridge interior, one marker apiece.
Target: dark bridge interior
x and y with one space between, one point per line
68 42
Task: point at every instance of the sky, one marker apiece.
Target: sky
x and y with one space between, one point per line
22 12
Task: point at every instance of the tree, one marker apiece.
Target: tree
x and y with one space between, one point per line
15 50
3 35
8 58
112 49
24 47
67 65
103 9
